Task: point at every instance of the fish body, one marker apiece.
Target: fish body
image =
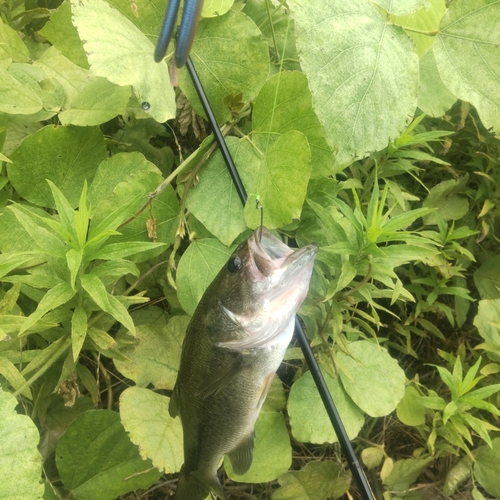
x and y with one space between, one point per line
234 344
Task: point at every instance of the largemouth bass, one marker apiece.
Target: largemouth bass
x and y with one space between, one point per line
234 344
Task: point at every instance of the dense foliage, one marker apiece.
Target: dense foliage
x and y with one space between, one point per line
368 128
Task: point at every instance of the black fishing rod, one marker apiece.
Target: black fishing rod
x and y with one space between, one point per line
352 461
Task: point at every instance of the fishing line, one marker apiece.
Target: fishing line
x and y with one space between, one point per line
352 461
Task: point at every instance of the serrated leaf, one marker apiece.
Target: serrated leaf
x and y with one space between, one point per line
362 72
146 418
316 481
119 51
214 201
197 268
280 181
65 155
283 104
272 454
241 65
155 358
108 303
55 297
98 102
308 417
20 460
97 460
466 51
375 382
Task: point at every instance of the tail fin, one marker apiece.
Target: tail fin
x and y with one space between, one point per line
192 487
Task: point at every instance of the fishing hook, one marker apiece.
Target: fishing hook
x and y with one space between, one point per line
258 206
185 34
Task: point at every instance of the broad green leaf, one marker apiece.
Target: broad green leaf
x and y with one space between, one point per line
425 20
449 199
272 454
458 473
197 268
466 51
433 97
486 468
48 90
280 183
12 375
20 460
308 417
487 278
96 103
110 271
155 356
362 72
119 51
65 155
399 7
97 461
410 410
214 8
214 201
231 56
316 481
16 98
283 104
78 330
64 36
275 400
145 416
11 47
375 381
71 77
107 302
406 472
487 318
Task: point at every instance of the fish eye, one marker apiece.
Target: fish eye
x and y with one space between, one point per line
234 264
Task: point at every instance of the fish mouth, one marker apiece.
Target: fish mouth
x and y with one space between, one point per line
276 262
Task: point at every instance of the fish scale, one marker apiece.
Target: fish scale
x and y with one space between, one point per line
234 344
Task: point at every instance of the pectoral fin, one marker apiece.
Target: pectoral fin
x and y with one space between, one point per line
241 457
220 379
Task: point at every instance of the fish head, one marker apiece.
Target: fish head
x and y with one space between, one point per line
259 290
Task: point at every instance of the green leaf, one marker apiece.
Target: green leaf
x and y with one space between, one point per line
272 454
316 481
16 98
400 7
214 8
98 102
110 271
214 201
20 460
64 209
374 381
426 19
308 417
197 268
64 36
55 297
146 418
449 199
458 473
9 261
406 472
115 251
362 72
155 357
489 314
285 103
487 278
280 181
11 47
119 51
410 409
78 330
434 98
241 64
97 461
12 375
486 468
74 260
466 51
65 155
108 303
